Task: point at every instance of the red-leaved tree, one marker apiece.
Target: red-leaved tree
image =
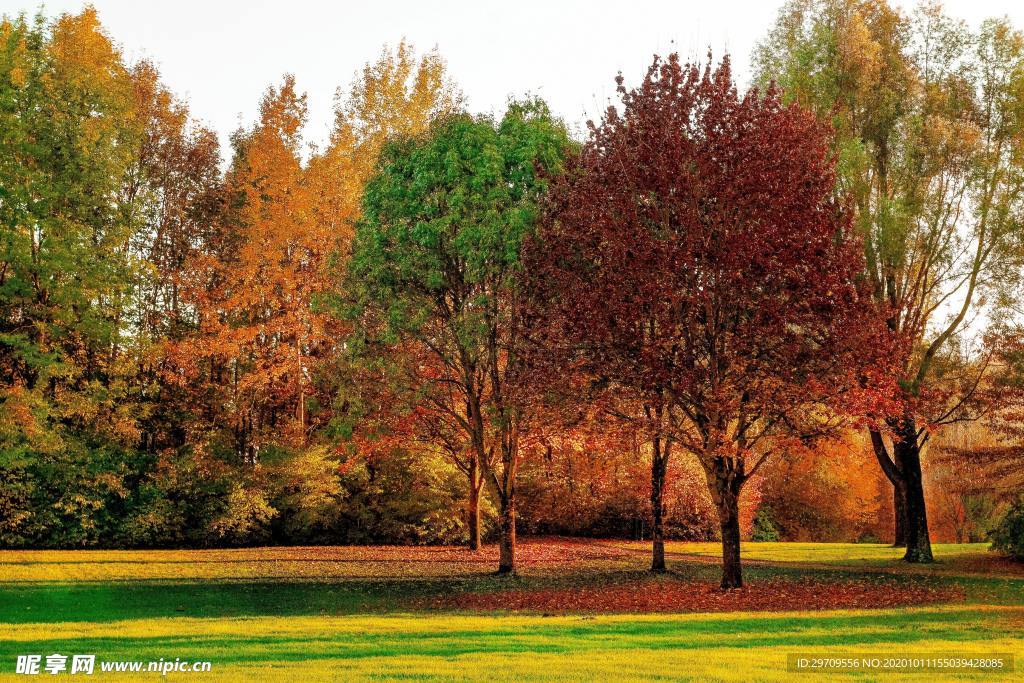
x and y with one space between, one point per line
694 262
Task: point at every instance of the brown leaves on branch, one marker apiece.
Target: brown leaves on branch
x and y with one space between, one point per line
694 261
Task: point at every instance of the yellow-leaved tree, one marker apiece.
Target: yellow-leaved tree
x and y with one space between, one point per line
264 359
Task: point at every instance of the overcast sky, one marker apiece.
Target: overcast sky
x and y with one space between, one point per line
221 55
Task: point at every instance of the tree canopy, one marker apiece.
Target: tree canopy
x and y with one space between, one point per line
436 257
437 326
678 258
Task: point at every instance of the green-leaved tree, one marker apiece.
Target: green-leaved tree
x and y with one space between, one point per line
436 262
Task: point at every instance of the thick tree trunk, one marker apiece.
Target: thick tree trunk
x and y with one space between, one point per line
658 468
904 471
908 457
899 513
729 519
725 480
473 509
507 554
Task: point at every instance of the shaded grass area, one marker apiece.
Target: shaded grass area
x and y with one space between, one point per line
114 601
361 625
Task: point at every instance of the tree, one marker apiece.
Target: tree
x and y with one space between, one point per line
68 134
401 407
589 480
258 334
929 119
172 196
102 190
997 462
834 492
261 357
395 97
694 260
436 256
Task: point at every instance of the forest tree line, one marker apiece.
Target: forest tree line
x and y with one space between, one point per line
788 312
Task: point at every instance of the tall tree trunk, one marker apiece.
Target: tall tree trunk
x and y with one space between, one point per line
473 507
725 481
507 554
904 471
729 520
505 487
899 513
908 457
659 458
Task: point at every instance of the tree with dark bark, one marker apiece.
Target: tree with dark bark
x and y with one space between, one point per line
929 123
694 261
437 256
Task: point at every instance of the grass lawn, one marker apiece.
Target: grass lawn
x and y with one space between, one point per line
585 611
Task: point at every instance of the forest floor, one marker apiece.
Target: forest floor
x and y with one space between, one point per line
578 610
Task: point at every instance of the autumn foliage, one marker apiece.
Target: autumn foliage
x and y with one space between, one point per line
694 260
719 314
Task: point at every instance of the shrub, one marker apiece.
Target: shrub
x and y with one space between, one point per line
1008 535
156 522
764 526
408 497
246 521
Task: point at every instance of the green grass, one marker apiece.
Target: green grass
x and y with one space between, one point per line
329 614
705 647
956 558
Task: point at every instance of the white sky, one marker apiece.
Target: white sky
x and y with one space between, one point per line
221 55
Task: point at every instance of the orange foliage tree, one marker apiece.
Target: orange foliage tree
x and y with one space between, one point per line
267 340
833 492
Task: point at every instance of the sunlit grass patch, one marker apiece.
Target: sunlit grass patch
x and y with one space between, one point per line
302 563
955 558
462 647
367 613
839 553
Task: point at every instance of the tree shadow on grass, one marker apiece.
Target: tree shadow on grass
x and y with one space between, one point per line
124 600
112 601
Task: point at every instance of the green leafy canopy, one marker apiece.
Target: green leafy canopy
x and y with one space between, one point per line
444 218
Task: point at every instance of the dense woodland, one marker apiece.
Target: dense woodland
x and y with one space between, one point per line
784 313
